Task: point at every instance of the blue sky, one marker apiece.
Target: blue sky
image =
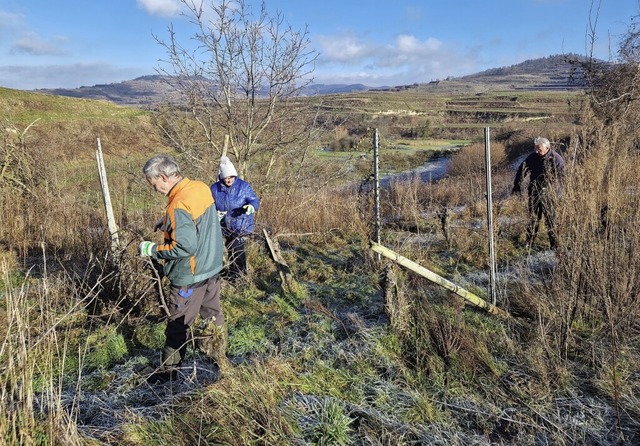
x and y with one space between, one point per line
71 43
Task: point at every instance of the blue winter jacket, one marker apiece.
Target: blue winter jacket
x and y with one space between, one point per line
236 222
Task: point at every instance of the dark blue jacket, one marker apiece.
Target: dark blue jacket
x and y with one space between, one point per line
543 171
236 222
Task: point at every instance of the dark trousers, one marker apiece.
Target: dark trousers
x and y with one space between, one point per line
185 304
236 255
541 205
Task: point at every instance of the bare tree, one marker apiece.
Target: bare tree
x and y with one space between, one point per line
598 273
237 80
613 84
17 163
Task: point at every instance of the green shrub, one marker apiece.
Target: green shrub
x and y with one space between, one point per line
150 336
105 347
248 338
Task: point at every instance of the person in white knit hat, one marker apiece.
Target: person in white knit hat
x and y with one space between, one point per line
236 203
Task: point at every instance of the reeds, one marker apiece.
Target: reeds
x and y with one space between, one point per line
34 355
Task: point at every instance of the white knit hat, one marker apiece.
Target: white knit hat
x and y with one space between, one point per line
226 168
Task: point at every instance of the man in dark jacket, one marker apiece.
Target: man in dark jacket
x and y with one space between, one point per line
544 168
236 203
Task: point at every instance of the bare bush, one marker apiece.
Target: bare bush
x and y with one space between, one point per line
471 160
247 65
594 293
317 211
18 168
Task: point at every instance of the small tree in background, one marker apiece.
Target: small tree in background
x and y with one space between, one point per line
17 164
238 79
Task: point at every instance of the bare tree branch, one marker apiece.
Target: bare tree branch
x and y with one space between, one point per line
235 75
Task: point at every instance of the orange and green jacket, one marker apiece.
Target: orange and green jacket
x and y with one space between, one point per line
193 244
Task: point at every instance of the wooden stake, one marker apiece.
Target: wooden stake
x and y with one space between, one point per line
289 283
428 274
111 221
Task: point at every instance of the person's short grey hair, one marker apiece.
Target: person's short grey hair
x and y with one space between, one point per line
161 164
540 141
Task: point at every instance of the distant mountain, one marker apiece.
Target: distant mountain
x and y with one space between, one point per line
147 90
141 91
558 72
564 71
320 89
552 73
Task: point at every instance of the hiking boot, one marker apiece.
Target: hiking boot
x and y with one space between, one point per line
171 357
169 364
162 376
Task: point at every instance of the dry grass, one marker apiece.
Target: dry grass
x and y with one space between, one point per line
340 357
472 160
317 212
33 354
243 409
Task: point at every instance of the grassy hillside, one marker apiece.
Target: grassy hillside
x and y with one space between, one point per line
65 128
20 106
354 350
561 72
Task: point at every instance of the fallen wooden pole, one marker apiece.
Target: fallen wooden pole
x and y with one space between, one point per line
424 272
289 284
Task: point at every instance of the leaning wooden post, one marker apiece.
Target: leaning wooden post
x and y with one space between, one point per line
111 221
424 272
289 284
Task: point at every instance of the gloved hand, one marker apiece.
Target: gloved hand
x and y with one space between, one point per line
221 215
249 209
158 224
146 248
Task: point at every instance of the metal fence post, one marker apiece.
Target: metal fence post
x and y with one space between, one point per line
376 189
492 260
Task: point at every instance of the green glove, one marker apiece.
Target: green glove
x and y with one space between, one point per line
249 209
146 248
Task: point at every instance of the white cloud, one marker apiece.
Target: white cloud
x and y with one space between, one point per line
8 19
407 59
160 7
349 49
344 47
407 49
64 76
409 44
31 43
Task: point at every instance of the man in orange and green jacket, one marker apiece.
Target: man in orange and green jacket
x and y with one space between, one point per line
193 258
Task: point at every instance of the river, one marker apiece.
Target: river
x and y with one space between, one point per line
432 170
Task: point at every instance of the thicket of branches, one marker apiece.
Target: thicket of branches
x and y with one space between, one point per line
599 269
582 332
235 75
